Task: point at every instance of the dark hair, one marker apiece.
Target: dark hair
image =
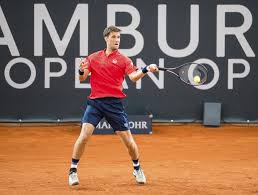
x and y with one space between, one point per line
110 29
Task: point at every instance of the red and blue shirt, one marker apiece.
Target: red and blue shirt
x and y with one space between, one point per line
108 73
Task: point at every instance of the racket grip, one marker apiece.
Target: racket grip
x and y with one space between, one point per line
164 69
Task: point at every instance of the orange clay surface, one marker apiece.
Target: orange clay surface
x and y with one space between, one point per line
179 159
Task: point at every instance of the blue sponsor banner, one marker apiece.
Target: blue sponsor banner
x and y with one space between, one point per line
138 124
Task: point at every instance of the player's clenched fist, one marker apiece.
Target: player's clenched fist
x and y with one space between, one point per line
152 68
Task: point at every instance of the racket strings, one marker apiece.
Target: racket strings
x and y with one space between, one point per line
195 74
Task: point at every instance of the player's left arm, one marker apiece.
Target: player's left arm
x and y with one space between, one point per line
84 69
138 74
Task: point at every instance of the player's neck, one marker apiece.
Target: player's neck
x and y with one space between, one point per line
109 51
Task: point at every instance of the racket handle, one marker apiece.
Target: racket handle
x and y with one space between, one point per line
164 69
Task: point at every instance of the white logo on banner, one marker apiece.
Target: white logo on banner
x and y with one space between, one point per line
43 23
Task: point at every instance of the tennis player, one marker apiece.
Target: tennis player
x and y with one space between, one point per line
108 69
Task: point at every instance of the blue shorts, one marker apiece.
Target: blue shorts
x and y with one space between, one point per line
111 108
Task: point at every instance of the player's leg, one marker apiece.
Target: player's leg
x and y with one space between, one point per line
78 149
129 142
91 118
132 148
117 118
79 146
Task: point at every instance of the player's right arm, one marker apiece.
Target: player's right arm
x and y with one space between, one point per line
138 74
83 70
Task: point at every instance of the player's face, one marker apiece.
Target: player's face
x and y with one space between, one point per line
113 40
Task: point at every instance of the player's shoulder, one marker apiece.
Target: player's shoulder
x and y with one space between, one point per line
95 54
124 57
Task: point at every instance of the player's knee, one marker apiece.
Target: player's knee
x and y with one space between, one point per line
132 145
84 136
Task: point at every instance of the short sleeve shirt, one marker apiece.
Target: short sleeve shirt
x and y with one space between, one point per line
108 73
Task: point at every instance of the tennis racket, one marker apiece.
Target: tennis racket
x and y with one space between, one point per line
191 73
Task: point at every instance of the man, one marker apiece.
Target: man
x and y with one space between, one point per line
108 68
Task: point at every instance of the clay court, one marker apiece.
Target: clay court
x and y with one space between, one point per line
178 159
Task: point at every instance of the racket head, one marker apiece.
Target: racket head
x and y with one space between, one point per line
192 73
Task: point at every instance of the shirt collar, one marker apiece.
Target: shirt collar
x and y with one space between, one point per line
111 54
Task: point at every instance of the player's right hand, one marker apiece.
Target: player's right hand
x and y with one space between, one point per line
152 68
